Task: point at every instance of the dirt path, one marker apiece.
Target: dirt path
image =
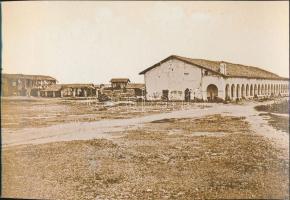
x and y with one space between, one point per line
210 151
107 128
173 158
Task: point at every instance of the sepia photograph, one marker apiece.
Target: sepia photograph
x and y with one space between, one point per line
108 100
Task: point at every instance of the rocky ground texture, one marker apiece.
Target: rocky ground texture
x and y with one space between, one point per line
208 156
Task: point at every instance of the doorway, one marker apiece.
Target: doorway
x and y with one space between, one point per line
165 95
212 92
187 95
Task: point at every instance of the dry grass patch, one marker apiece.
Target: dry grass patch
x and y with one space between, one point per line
150 163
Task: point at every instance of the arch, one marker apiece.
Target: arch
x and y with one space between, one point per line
251 90
233 91
238 91
255 89
212 92
262 89
247 90
259 89
243 91
272 89
269 89
227 90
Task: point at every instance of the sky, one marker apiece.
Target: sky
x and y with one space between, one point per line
94 41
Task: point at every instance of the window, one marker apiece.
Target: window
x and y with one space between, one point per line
205 73
186 73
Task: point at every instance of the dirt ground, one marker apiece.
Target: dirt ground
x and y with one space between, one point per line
208 156
19 113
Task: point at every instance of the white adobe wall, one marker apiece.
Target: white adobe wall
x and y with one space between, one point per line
175 76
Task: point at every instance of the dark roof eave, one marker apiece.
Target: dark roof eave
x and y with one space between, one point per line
256 77
120 80
26 76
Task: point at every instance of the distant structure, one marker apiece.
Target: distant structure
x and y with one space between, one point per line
119 83
46 86
70 90
25 85
121 89
181 78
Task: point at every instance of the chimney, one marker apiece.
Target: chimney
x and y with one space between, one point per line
223 68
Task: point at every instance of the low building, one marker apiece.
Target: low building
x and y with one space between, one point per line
121 89
119 83
70 90
139 88
181 78
25 85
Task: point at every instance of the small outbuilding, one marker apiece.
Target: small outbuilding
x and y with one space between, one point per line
119 83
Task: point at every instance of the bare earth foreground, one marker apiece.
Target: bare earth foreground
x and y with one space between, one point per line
69 149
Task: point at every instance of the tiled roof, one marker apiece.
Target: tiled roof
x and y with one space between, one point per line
232 70
78 85
122 80
31 77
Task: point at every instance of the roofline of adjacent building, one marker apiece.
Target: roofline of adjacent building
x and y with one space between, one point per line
178 58
246 77
68 85
124 79
31 75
